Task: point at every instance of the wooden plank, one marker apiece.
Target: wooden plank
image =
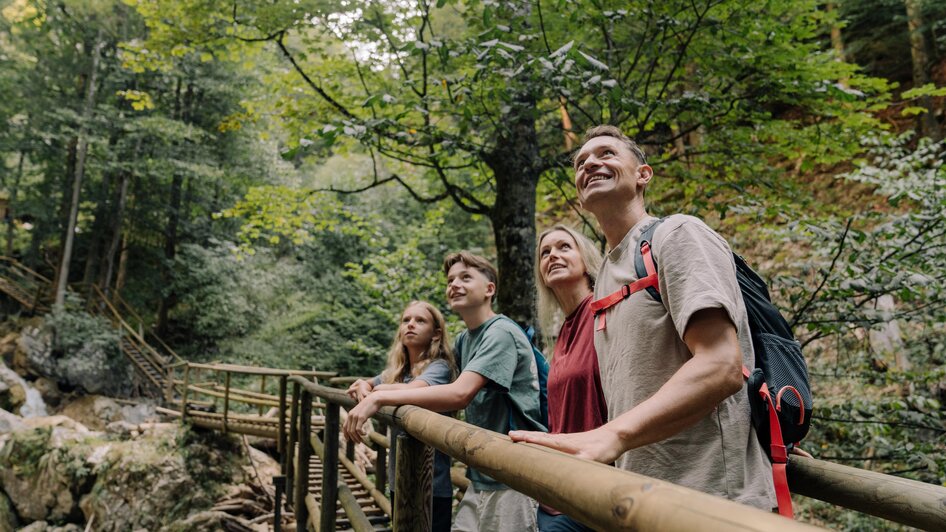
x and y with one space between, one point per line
329 467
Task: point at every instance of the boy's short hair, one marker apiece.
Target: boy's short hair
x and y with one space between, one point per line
472 260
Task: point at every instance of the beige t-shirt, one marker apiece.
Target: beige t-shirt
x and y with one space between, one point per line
642 347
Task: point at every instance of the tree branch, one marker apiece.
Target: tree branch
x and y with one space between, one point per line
827 275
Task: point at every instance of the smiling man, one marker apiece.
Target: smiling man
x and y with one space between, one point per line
671 368
498 388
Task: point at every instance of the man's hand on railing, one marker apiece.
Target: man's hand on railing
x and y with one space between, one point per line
357 418
359 389
601 444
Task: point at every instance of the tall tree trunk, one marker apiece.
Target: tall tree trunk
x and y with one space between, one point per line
122 266
63 277
515 166
11 207
116 227
920 54
168 297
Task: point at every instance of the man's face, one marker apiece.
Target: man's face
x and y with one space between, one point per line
606 170
467 288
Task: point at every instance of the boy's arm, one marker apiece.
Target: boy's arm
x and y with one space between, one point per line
442 398
711 375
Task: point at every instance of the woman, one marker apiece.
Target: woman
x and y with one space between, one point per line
565 269
420 356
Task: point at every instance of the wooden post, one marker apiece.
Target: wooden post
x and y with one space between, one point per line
350 450
288 467
187 372
329 467
413 485
262 389
381 466
281 436
226 399
279 483
302 463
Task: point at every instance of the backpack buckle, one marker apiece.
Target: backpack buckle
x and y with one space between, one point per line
625 291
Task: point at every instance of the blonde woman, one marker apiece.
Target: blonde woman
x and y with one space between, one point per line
565 269
419 356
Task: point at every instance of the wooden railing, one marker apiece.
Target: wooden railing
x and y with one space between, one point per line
601 496
24 285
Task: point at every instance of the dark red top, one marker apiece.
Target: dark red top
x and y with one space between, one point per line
576 401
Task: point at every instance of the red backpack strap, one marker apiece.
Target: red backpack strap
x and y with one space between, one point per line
777 453
600 306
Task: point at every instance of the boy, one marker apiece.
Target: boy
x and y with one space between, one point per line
498 388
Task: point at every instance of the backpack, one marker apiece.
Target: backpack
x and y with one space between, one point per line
778 387
542 370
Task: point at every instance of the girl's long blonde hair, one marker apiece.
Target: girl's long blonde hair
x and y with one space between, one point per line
399 361
550 311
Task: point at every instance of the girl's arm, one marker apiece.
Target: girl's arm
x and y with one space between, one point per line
416 383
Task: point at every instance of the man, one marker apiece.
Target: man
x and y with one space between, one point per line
498 387
672 369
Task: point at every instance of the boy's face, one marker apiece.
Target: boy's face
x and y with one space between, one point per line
468 288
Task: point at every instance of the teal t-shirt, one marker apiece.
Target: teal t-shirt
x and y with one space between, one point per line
500 351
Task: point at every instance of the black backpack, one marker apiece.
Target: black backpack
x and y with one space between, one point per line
779 388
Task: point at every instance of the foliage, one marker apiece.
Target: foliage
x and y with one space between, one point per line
78 331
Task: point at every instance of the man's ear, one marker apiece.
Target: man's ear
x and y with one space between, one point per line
644 174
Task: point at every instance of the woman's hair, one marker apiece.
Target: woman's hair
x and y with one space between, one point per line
550 311
399 361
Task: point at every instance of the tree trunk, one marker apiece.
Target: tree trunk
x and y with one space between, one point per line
118 215
11 207
122 266
920 54
168 297
837 43
63 276
514 164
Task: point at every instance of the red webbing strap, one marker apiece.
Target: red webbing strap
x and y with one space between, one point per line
779 459
600 306
779 456
648 261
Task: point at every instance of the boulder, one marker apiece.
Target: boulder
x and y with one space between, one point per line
8 347
8 519
49 390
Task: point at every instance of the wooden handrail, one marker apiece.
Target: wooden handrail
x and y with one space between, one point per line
599 495
256 370
905 501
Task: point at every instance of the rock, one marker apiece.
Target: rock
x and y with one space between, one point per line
49 390
8 347
10 422
140 413
8 520
36 526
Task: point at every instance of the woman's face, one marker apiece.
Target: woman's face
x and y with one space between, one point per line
559 260
417 327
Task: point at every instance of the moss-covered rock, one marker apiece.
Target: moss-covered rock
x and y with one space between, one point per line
64 474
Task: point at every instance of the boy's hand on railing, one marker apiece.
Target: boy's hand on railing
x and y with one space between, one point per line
601 444
358 417
359 389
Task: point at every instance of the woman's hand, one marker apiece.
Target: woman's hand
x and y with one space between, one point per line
357 417
359 389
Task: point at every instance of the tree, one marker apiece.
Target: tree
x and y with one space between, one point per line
468 94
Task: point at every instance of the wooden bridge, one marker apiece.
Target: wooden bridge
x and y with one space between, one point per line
325 490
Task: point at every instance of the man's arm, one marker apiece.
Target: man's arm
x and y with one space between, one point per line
710 376
442 398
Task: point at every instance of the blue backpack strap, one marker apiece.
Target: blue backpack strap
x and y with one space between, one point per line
647 236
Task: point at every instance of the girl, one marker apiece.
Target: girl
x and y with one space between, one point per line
565 269
420 356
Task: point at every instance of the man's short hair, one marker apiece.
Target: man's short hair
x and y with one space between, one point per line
611 131
472 260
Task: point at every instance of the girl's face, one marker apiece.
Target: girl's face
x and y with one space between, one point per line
559 260
417 327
